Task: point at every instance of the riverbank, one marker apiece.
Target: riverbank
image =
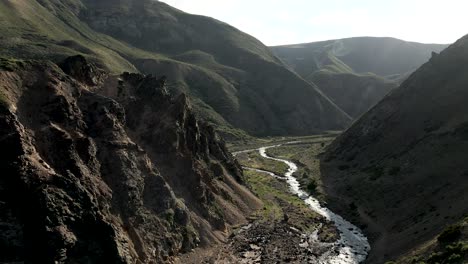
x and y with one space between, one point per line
285 230
292 226
353 246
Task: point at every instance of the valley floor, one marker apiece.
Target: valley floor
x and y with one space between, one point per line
276 233
285 229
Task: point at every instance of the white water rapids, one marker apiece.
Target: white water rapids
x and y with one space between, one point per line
352 247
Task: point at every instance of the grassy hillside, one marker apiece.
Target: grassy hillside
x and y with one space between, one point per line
356 73
404 162
233 79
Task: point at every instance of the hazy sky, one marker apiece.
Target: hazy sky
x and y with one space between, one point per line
295 21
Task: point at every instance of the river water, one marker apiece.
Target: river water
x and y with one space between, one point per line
352 247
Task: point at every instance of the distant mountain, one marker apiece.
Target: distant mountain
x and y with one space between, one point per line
357 72
235 82
381 56
401 169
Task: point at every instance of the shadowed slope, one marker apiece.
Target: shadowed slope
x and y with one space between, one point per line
404 162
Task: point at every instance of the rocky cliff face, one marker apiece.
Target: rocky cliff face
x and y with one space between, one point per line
107 169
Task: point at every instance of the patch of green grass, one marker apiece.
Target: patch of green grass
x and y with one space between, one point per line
278 200
10 64
305 155
271 210
3 99
255 160
42 31
280 204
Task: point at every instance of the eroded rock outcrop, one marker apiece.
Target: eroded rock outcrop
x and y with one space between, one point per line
93 176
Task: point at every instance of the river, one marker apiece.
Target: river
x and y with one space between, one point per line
352 247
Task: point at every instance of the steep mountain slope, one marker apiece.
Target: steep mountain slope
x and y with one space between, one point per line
234 80
108 169
355 94
356 72
403 164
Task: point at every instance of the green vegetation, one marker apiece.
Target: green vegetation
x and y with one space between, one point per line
305 155
10 64
278 202
3 99
450 234
254 160
221 84
169 216
264 187
452 254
